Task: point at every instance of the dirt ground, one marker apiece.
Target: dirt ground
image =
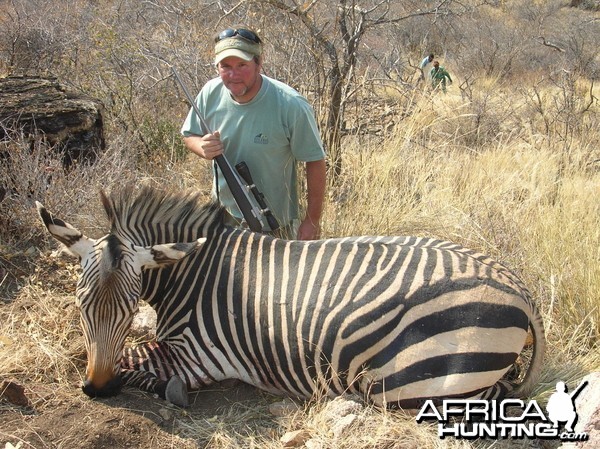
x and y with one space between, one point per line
44 414
65 419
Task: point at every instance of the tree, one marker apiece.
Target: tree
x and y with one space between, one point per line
338 33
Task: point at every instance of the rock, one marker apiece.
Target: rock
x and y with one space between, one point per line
165 414
313 444
144 323
14 393
42 108
11 446
343 424
295 439
341 413
341 407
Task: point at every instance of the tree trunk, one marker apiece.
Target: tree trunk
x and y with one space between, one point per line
42 108
333 136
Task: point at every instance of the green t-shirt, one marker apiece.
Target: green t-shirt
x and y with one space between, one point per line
440 74
270 133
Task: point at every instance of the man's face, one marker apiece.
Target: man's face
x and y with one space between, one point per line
241 77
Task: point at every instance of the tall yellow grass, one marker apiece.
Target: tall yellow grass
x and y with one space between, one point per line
519 198
488 175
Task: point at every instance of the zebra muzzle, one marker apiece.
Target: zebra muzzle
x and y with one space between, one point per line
112 388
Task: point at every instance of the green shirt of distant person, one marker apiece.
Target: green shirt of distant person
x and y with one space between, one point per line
438 76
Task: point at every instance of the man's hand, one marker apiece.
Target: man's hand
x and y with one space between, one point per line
207 146
309 230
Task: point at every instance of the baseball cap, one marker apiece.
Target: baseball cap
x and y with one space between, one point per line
239 47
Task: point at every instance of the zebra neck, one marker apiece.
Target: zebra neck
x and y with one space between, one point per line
173 291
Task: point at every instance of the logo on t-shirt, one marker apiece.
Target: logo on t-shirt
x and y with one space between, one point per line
261 139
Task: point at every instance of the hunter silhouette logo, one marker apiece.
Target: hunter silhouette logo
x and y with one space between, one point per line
561 406
509 418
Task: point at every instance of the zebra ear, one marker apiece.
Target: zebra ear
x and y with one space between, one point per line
159 255
74 241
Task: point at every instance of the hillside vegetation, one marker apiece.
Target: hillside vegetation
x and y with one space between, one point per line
506 163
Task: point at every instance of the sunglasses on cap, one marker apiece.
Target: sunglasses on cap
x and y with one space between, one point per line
242 32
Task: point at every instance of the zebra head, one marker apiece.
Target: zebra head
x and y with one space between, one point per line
108 293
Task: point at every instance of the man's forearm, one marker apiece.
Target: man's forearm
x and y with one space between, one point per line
316 181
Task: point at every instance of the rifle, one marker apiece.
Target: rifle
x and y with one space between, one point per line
581 386
252 214
244 172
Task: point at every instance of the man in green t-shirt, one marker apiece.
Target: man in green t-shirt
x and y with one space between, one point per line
438 76
265 123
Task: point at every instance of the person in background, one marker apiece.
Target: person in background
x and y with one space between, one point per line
265 123
438 76
424 63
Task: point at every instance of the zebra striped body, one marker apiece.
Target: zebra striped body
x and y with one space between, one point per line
398 319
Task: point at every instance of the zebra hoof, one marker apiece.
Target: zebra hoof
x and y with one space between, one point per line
176 392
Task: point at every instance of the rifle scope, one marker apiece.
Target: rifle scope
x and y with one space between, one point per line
244 172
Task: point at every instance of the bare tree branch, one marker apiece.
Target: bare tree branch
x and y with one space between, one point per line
227 13
551 45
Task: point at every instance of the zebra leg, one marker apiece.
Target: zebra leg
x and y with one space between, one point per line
135 372
500 390
172 390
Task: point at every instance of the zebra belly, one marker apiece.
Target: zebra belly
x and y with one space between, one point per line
458 345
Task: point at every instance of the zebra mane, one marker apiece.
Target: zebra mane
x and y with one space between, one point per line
147 216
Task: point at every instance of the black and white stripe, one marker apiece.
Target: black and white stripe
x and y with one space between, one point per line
400 319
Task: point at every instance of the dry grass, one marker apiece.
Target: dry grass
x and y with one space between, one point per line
523 196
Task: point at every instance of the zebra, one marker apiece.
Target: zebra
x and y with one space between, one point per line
397 320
